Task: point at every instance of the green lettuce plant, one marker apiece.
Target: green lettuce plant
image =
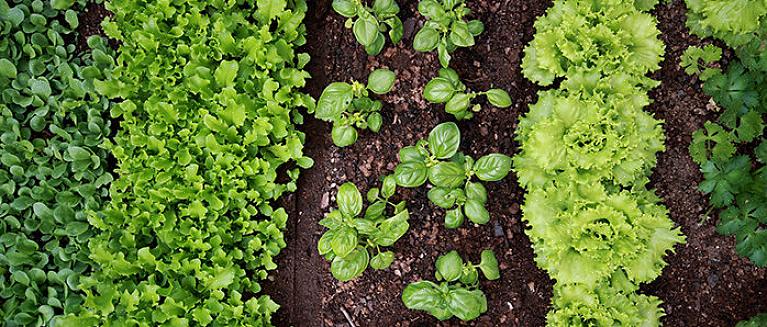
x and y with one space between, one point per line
450 173
457 293
447 88
370 24
353 241
349 107
446 28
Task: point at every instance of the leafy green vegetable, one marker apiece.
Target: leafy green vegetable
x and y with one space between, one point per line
209 96
370 24
759 320
458 294
53 168
450 172
348 106
696 60
446 28
351 239
447 88
587 149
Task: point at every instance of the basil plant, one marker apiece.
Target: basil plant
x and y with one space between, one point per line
370 24
451 174
353 241
457 293
349 107
446 28
447 88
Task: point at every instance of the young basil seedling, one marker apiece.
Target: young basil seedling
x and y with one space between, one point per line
352 242
446 29
369 24
450 173
348 106
447 88
458 293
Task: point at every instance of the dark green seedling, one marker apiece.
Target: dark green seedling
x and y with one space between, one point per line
450 173
370 24
447 88
352 241
457 293
348 106
446 28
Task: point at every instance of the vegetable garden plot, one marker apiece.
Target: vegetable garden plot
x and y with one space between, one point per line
408 197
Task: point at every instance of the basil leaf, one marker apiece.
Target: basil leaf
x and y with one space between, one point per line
476 192
489 265
349 199
389 186
375 120
346 8
444 140
466 305
333 101
460 35
450 266
460 102
382 260
423 295
454 218
426 39
366 30
344 241
381 81
476 212
499 98
411 174
441 197
392 229
410 153
492 167
476 27
324 244
343 135
438 90
351 266
447 175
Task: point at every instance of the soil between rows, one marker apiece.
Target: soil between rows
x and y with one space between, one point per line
705 284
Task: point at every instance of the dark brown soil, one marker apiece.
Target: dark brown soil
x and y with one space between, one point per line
705 284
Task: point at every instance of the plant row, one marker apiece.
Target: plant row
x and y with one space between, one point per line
732 152
587 149
53 168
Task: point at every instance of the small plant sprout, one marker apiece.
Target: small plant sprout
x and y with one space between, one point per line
446 29
370 24
447 88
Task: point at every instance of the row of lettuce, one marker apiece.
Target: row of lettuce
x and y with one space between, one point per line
587 150
205 93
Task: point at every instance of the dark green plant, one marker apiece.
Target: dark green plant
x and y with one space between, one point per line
370 24
457 293
353 240
450 173
446 28
447 88
757 321
348 106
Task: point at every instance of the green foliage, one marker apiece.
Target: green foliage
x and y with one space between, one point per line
450 173
354 240
348 106
52 164
447 88
209 95
587 149
458 292
757 321
446 28
370 24
698 61
731 152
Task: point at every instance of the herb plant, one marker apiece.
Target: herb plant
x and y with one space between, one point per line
732 152
353 241
446 28
53 167
208 101
447 88
349 107
697 60
370 24
457 293
757 321
450 173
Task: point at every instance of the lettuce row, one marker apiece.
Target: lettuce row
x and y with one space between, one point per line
732 152
207 143
587 149
52 166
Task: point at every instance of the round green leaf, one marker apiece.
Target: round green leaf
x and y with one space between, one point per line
397 29
343 135
470 276
476 27
476 192
366 30
460 102
346 8
351 266
423 295
438 90
377 46
411 174
499 98
466 305
447 174
392 229
333 101
441 197
431 9
385 7
450 266
382 260
40 87
453 218
349 199
344 241
476 212
410 153
381 81
426 39
460 35
444 140
375 120
493 167
389 186
7 68
489 265
324 245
